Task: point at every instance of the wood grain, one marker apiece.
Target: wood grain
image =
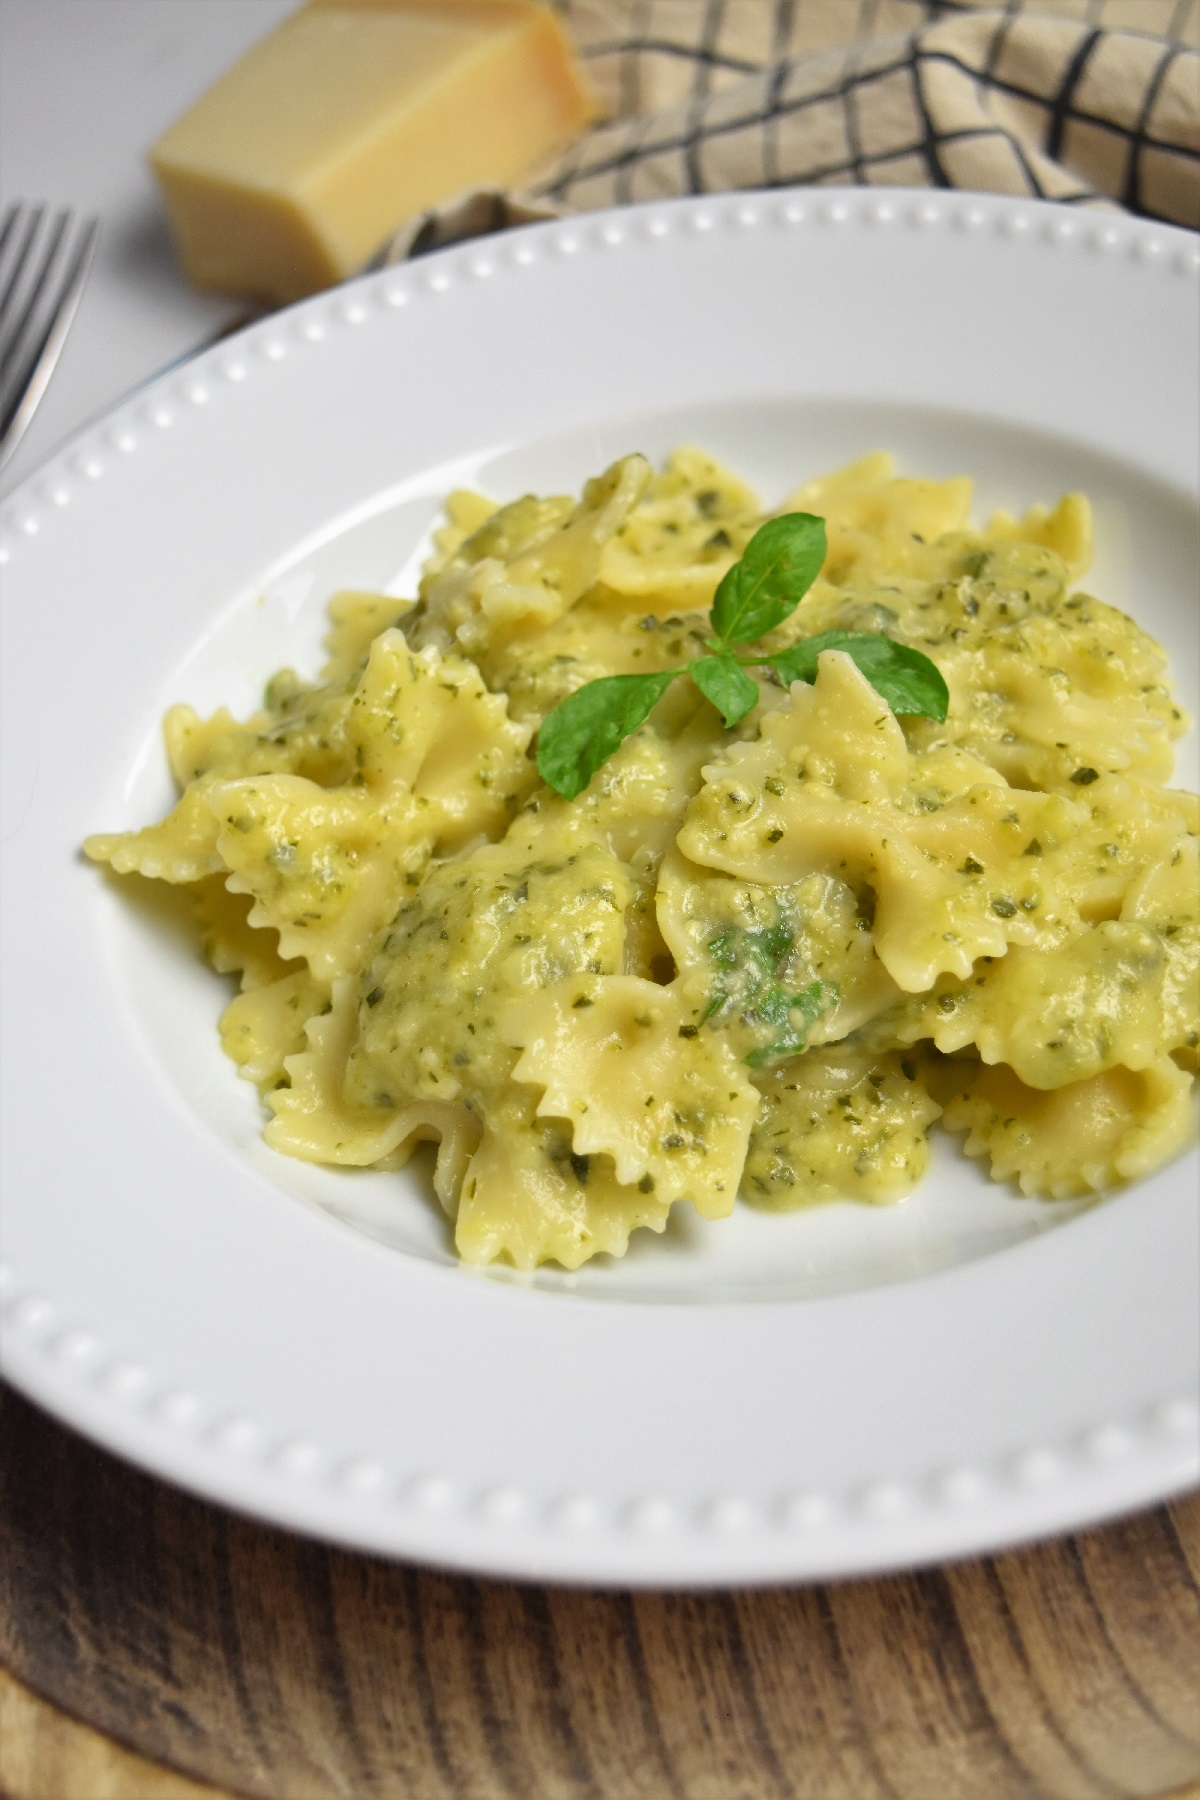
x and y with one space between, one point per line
44 1755
276 1667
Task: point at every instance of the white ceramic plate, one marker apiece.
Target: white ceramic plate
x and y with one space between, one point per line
767 1399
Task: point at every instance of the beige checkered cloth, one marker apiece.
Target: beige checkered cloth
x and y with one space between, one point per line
1088 102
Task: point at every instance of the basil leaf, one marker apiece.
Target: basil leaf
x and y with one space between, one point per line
724 682
584 729
751 986
905 678
776 570
777 1008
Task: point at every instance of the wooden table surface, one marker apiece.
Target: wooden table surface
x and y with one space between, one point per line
242 1656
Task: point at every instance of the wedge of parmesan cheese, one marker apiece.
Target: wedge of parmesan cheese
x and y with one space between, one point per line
351 117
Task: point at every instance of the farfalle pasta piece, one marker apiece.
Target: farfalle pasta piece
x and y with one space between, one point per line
691 524
230 943
621 1060
181 848
265 1024
528 1196
843 1122
495 927
587 643
745 951
464 512
477 530
1043 694
1043 681
437 761
634 808
356 618
196 746
878 523
481 606
938 839
1166 898
1059 1015
314 1120
507 920
1126 826
1078 1139
324 865
1065 528
299 731
424 723
1125 991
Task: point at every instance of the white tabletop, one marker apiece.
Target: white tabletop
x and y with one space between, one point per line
85 87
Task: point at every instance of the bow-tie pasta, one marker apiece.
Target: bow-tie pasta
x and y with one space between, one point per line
938 837
762 961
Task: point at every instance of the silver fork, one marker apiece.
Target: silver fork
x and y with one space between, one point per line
44 262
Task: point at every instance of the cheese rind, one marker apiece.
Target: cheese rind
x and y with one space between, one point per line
354 115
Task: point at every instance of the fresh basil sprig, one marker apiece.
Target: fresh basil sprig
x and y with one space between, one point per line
761 590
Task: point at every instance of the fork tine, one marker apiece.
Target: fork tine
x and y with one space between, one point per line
43 294
26 223
11 213
14 331
44 330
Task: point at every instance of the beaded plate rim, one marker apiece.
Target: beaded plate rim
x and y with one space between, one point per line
1105 1465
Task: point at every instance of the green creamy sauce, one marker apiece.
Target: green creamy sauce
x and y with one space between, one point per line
841 1122
479 933
750 986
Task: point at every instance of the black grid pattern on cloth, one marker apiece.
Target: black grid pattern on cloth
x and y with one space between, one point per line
745 115
1141 137
707 39
1092 102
